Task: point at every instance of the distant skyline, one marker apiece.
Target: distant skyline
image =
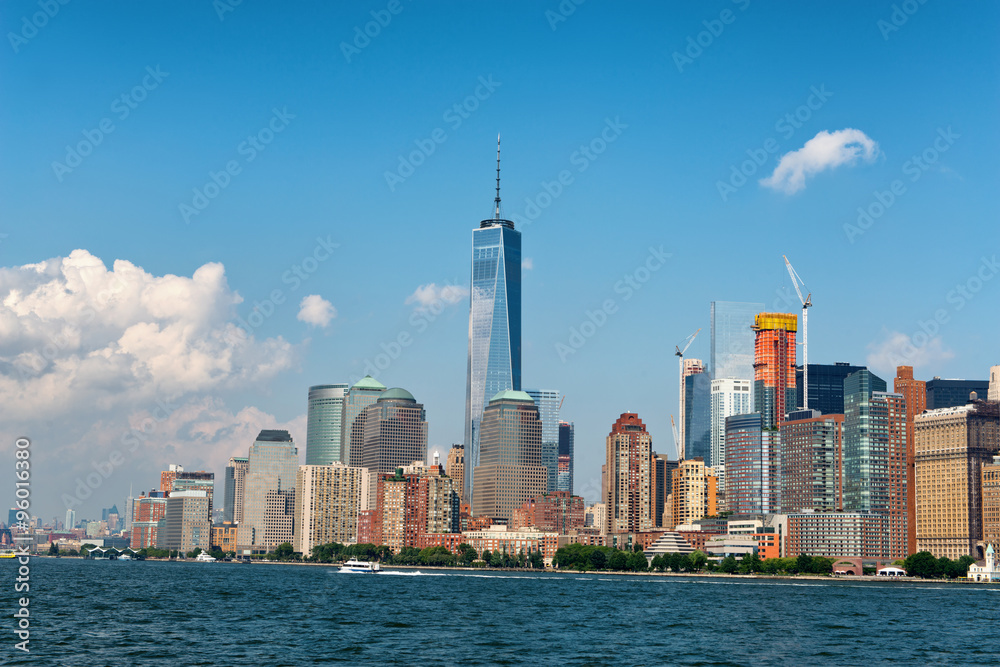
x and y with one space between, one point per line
206 212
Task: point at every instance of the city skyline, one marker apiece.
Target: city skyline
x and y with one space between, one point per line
332 254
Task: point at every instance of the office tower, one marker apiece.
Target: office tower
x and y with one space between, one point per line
362 394
70 519
556 512
662 484
698 417
324 428
269 488
733 339
951 393
774 367
951 446
729 396
993 391
395 432
547 401
236 473
566 455
991 502
753 465
693 494
327 501
494 321
456 468
167 477
107 512
826 386
185 523
630 491
510 467
689 367
915 394
874 455
195 480
810 455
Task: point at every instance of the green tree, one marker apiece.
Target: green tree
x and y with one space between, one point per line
284 551
597 559
53 549
678 562
487 556
497 559
657 563
698 560
728 565
618 561
637 562
771 566
751 564
537 560
466 554
923 565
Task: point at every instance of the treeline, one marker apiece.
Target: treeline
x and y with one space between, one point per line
923 564
436 556
586 558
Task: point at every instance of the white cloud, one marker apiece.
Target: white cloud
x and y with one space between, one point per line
316 310
428 295
826 150
897 349
527 264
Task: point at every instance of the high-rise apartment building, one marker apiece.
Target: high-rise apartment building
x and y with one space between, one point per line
991 503
412 501
395 432
662 484
362 394
547 401
510 467
993 391
826 386
753 465
327 501
914 392
811 461
147 513
951 447
692 496
324 426
269 488
733 339
185 523
774 367
236 473
566 456
943 393
455 468
689 367
698 417
200 480
629 460
167 477
556 512
729 397
494 363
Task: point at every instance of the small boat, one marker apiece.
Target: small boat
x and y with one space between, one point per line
125 557
205 558
361 566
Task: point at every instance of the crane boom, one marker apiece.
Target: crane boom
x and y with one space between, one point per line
806 304
680 390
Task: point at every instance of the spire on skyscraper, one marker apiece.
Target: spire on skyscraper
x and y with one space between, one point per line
496 213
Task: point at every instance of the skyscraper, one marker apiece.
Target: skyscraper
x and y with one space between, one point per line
811 461
826 386
271 469
547 402
455 467
689 367
730 396
698 417
733 339
328 498
692 495
70 519
774 367
232 502
662 485
943 393
494 363
566 455
510 469
362 394
630 494
395 432
753 465
324 428
915 394
993 391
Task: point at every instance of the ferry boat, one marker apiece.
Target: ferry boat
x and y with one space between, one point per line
362 566
125 557
7 553
205 558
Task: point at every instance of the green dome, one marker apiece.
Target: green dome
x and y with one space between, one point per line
396 394
368 382
511 395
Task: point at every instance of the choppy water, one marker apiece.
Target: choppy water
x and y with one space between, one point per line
152 613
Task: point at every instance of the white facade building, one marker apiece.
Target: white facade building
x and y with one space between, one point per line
730 396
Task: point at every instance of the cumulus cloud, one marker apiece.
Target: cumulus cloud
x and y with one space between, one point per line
316 310
895 348
827 150
428 295
527 264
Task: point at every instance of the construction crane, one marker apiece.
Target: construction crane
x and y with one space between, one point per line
680 395
806 304
673 427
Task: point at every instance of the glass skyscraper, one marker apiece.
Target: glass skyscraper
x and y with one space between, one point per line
494 322
547 402
733 339
364 392
273 464
324 430
697 417
565 476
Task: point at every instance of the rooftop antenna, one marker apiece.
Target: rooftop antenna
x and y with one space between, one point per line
496 213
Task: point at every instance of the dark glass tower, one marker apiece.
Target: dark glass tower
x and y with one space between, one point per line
494 322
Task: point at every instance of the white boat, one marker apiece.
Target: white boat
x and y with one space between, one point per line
205 558
362 566
124 557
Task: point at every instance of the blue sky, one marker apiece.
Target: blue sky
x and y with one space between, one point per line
552 86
